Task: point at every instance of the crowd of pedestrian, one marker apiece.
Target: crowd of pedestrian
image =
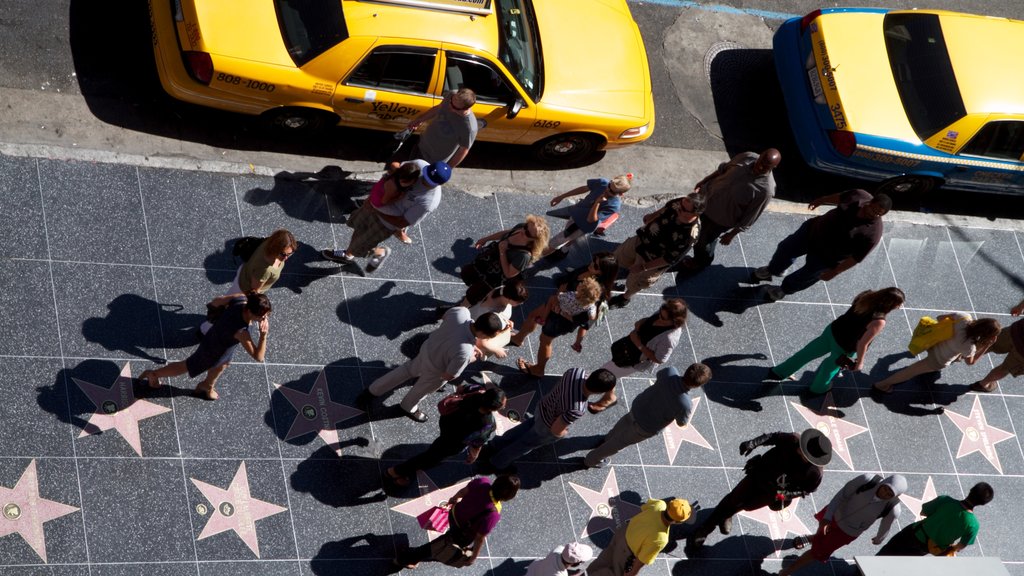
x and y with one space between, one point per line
723 205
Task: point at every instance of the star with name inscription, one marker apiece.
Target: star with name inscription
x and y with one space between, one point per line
978 435
430 496
914 504
513 413
25 511
235 509
117 408
780 523
317 412
607 510
675 435
837 429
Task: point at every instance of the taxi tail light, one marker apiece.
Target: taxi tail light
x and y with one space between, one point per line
843 141
806 20
200 66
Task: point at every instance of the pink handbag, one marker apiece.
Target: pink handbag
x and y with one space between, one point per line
435 519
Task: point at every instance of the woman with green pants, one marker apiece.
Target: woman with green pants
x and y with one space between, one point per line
845 340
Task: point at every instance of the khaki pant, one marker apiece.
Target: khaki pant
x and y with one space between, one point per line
627 257
614 559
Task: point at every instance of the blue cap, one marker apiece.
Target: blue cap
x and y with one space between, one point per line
437 173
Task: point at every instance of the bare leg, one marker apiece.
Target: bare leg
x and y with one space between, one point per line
530 325
205 388
543 353
168 371
917 368
988 383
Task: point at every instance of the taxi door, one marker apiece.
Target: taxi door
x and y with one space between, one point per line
496 95
992 158
392 84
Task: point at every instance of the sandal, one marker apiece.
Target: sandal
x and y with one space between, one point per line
402 236
979 387
597 408
525 368
205 394
394 477
377 259
417 416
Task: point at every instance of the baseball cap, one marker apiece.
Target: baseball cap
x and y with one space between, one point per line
816 447
576 553
679 510
437 173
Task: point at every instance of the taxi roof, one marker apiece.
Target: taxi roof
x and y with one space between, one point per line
985 52
441 25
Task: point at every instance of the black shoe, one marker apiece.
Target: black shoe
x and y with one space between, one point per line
759 275
364 400
773 375
619 301
694 544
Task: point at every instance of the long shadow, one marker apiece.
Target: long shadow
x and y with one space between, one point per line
368 546
301 195
134 324
726 374
299 273
365 312
462 253
331 481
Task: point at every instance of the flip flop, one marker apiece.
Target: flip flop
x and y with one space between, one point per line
205 394
403 237
417 416
595 408
150 379
524 367
377 259
977 387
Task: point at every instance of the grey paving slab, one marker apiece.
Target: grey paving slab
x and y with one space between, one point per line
21 202
310 327
993 266
256 567
94 212
144 568
380 335
31 324
36 423
926 268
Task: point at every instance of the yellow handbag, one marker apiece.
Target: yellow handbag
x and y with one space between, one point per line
930 332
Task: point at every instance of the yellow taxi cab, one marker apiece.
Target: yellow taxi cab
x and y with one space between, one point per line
913 98
568 77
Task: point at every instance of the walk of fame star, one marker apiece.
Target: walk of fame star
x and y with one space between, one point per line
513 413
430 496
607 510
674 435
978 435
235 509
837 429
780 523
317 412
914 504
117 408
25 512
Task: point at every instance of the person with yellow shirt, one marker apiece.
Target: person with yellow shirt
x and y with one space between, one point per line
638 543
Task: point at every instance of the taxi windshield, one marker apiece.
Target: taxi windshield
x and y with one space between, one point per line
923 73
519 48
310 27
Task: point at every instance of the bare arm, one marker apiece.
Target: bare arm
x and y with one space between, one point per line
873 329
258 352
491 238
574 192
458 157
424 116
832 199
560 427
595 207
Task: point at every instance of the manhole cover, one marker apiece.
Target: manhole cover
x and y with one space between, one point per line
716 49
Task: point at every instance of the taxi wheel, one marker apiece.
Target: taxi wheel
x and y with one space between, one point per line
566 148
299 120
907 185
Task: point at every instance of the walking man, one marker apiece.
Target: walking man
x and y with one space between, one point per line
949 526
736 194
563 405
443 356
1010 342
664 238
791 469
452 129
371 226
666 401
833 242
638 543
853 510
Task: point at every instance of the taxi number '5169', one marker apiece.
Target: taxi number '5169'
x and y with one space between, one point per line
251 84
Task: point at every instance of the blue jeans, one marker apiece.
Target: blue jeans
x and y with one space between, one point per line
527 436
707 241
791 248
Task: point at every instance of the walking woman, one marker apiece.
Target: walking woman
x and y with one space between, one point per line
561 314
470 426
503 256
218 345
649 344
263 268
971 340
845 341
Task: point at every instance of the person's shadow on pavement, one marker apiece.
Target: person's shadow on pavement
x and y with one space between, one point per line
135 324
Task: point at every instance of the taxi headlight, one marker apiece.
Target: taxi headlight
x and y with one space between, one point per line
634 132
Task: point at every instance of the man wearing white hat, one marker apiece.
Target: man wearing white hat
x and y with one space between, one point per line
565 560
638 543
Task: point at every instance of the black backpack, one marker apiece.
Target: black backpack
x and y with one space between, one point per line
245 247
871 485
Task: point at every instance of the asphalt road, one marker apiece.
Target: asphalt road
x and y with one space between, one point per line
61 52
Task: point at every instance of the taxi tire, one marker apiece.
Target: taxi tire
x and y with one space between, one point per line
907 185
567 148
299 120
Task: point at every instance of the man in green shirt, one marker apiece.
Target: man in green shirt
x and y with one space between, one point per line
638 543
949 526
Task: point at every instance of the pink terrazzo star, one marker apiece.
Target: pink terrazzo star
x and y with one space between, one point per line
118 409
25 512
513 413
675 435
607 510
317 412
914 504
779 523
430 496
837 429
235 509
978 436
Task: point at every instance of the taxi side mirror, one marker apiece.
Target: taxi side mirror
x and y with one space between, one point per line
513 108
